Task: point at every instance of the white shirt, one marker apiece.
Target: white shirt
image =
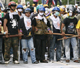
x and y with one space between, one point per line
27 22
40 18
56 22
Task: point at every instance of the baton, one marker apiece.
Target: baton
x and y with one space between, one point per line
16 35
60 34
4 34
69 37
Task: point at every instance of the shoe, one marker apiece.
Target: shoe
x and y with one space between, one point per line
25 62
44 61
6 62
2 63
57 61
11 59
55 49
35 62
21 59
76 61
11 55
67 61
16 62
60 61
51 61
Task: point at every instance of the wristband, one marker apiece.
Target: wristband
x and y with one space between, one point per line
48 29
21 31
4 32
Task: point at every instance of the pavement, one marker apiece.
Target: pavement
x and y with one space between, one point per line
62 64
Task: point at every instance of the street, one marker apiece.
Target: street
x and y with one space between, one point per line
41 65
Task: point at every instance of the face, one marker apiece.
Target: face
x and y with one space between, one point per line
41 13
56 13
20 10
62 12
76 6
27 14
53 12
13 8
51 5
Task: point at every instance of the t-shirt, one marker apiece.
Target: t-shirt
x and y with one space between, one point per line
56 24
25 29
70 25
12 23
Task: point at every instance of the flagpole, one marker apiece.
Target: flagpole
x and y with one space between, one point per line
75 1
68 2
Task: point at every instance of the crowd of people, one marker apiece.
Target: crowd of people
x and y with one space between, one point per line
39 29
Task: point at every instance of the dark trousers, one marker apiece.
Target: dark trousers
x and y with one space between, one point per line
59 2
1 54
11 42
20 50
71 52
40 45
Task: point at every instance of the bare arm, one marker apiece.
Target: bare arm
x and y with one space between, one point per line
63 33
4 26
78 31
62 26
33 28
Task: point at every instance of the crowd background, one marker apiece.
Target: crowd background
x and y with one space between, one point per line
45 10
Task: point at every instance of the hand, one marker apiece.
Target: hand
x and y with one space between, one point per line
79 37
20 35
36 29
63 33
6 32
65 37
50 32
6 36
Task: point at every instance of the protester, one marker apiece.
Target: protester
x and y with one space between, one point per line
40 24
1 38
70 24
56 29
78 31
11 26
20 11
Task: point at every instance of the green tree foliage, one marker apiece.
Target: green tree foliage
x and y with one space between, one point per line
64 2
14 1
